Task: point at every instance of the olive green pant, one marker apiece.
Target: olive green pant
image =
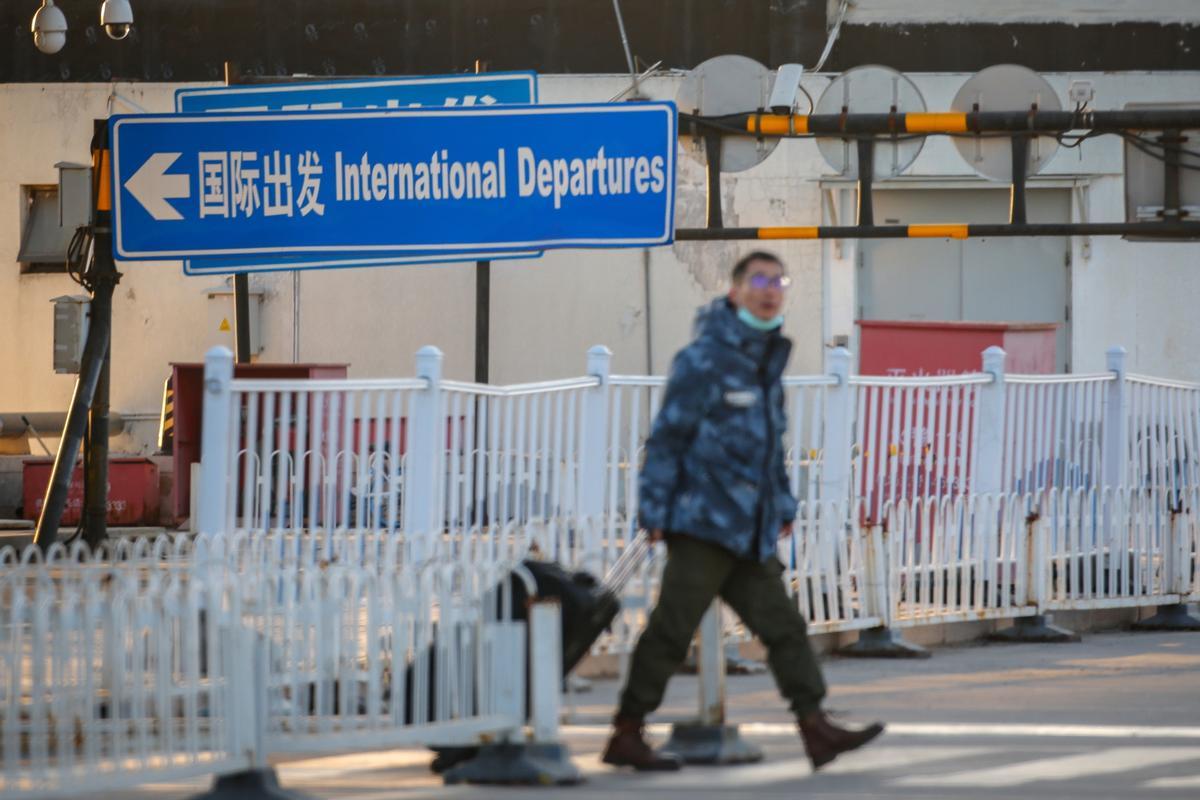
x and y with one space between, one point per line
695 574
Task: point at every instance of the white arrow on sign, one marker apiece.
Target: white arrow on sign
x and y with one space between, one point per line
152 187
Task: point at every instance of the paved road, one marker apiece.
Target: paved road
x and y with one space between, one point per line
1117 716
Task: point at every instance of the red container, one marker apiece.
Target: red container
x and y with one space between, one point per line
132 491
904 348
917 450
188 380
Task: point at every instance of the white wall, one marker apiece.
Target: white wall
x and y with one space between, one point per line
547 311
1091 12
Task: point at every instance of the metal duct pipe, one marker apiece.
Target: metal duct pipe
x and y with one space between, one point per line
46 423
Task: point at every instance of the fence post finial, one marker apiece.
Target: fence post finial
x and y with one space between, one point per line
216 459
599 362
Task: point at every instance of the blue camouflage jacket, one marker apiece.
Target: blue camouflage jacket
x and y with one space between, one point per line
714 465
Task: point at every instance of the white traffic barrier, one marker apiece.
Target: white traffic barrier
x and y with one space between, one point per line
424 454
112 678
116 674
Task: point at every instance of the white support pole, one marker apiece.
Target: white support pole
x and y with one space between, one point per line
878 596
711 666
838 436
216 463
1175 564
989 449
1116 423
545 669
1037 578
423 459
257 706
593 448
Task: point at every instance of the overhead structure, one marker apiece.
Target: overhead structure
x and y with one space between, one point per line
1006 121
1162 170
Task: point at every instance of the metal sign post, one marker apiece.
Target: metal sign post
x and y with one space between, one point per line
89 409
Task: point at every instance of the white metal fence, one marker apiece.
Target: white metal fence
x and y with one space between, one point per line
425 454
424 466
102 676
344 523
180 656
164 661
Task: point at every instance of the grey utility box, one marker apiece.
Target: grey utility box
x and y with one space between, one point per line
71 315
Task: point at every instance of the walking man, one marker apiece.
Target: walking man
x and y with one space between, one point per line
715 488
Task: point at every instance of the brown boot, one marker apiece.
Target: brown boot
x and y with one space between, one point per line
628 748
824 741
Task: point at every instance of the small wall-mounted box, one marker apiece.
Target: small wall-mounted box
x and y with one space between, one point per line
71 315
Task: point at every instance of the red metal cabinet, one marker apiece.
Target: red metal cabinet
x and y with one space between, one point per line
132 491
905 348
916 442
188 381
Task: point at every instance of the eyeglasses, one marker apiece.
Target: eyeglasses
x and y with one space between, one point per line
761 281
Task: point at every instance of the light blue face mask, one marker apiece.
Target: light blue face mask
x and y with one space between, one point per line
759 324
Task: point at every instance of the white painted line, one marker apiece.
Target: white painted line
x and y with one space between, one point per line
337 766
791 769
1060 731
739 776
1181 782
1062 768
947 729
873 758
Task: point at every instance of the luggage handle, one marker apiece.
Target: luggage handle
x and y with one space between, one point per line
623 568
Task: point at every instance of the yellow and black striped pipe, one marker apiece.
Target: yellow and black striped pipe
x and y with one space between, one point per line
944 122
953 230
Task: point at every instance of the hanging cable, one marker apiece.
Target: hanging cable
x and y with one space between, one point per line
633 76
1147 146
833 34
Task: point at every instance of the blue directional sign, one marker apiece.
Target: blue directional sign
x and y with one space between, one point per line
489 88
431 90
445 180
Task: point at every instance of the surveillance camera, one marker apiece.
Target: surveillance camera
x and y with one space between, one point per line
49 28
117 18
787 83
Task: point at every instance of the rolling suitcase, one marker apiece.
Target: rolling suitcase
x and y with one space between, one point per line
588 609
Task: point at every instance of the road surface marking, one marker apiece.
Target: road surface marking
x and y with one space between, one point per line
1180 782
1099 762
312 769
778 771
947 729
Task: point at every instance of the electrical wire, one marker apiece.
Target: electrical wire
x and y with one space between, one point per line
833 35
79 256
1138 144
1164 146
811 105
1076 140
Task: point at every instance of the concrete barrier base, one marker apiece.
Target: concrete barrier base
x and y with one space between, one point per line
711 744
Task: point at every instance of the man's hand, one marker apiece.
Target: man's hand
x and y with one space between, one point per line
654 535
786 530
